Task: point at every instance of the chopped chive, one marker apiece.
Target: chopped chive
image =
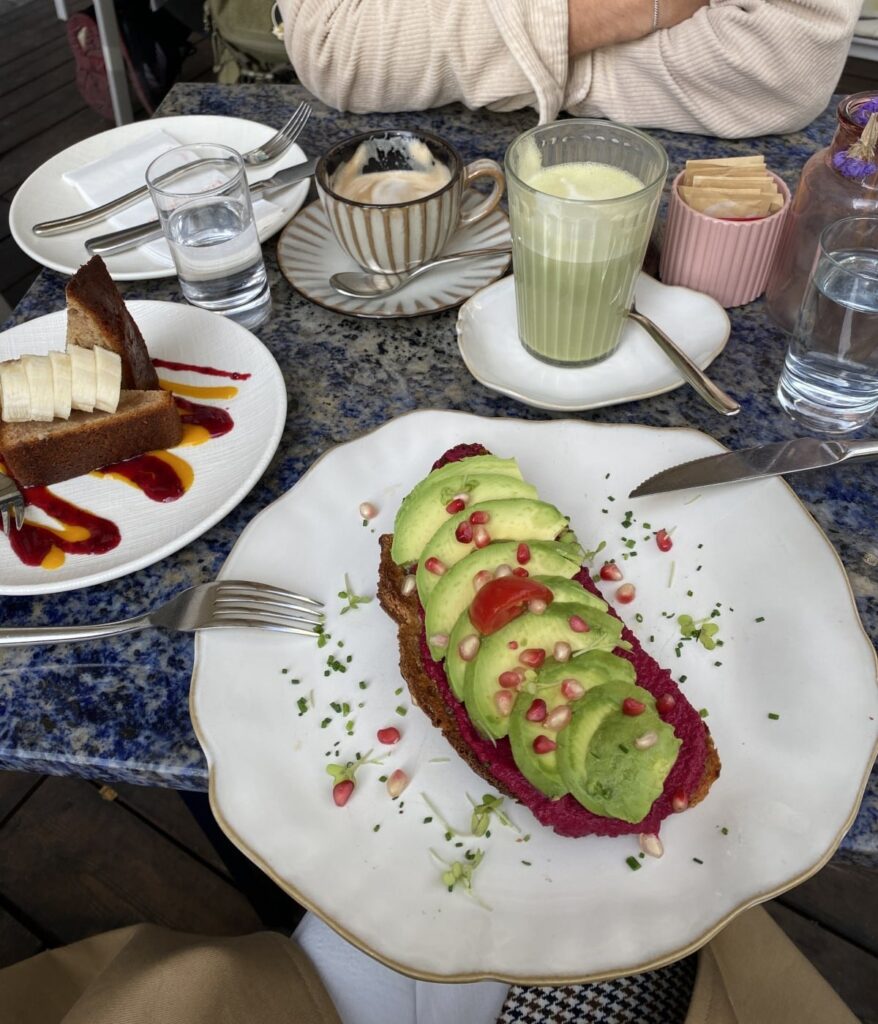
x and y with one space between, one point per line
633 863
526 863
724 830
428 820
702 712
375 827
698 860
773 716
683 679
400 710
760 619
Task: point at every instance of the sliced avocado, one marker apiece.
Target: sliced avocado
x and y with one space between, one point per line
529 631
589 669
454 591
423 513
599 761
563 589
509 519
481 464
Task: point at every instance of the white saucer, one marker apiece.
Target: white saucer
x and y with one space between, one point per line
487 335
309 255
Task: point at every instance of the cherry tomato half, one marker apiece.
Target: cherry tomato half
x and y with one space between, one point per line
504 599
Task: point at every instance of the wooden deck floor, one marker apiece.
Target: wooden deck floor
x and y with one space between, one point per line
77 858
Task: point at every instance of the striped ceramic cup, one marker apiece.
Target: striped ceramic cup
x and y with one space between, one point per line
383 229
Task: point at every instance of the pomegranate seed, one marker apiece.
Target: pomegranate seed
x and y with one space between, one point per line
562 651
651 844
513 645
481 537
397 782
537 606
454 506
522 555
558 718
647 740
439 640
663 540
468 648
341 792
572 689
408 586
667 702
504 700
463 496
480 518
389 736
520 571
610 572
533 657
626 593
632 706
481 578
368 510
511 679
502 570
464 532
578 624
537 711
543 745
434 565
680 801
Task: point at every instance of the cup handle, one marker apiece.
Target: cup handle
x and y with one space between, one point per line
481 169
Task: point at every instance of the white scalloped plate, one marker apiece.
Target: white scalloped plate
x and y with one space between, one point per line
789 789
487 336
226 467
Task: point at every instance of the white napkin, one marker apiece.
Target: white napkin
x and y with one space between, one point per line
125 170
366 992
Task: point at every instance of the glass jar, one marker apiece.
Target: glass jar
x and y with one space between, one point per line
824 194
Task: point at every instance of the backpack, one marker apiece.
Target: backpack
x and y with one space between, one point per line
245 46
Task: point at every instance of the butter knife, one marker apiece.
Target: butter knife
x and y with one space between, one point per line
755 463
129 238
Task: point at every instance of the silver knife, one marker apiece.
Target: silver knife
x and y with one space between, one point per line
754 463
129 238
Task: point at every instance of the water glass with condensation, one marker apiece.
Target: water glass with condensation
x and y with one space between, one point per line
829 381
203 202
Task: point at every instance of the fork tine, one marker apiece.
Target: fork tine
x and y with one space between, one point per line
4 518
18 510
243 623
289 131
224 587
259 607
269 614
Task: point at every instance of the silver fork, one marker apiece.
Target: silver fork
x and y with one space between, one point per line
275 147
229 604
11 500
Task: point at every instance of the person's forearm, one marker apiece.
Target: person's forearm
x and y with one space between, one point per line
593 24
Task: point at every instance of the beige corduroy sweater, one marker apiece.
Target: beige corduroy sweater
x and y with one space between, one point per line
737 68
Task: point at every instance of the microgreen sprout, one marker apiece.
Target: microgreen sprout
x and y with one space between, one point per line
353 600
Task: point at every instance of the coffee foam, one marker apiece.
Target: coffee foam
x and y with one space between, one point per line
424 176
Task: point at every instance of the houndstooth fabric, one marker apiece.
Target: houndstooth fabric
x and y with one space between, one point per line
656 997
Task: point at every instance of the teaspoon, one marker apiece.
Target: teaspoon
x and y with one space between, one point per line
359 285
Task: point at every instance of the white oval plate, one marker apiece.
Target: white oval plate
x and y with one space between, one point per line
226 468
487 335
789 787
45 195
309 255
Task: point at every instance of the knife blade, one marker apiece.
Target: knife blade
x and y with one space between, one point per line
115 242
764 460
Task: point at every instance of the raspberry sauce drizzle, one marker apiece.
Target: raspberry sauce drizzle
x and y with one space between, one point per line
33 544
208 371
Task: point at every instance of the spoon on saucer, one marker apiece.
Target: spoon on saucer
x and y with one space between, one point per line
700 382
364 285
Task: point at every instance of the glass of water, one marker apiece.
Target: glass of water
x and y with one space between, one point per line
829 381
203 201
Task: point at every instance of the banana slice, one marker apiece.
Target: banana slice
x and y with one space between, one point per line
16 393
38 370
108 373
83 377
62 384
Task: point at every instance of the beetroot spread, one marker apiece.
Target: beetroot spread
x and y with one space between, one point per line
567 816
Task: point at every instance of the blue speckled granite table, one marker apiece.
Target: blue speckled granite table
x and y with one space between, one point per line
118 710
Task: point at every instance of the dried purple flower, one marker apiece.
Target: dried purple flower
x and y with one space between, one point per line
862 114
860 160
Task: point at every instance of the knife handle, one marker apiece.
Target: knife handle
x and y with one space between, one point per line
715 397
121 241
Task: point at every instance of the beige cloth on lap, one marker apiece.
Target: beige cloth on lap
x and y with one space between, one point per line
750 974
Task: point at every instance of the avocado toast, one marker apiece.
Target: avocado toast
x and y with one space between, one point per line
510 650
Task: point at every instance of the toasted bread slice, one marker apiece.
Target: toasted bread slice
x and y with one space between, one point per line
406 612
97 317
45 453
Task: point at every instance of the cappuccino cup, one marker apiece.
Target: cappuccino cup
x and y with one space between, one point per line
393 198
